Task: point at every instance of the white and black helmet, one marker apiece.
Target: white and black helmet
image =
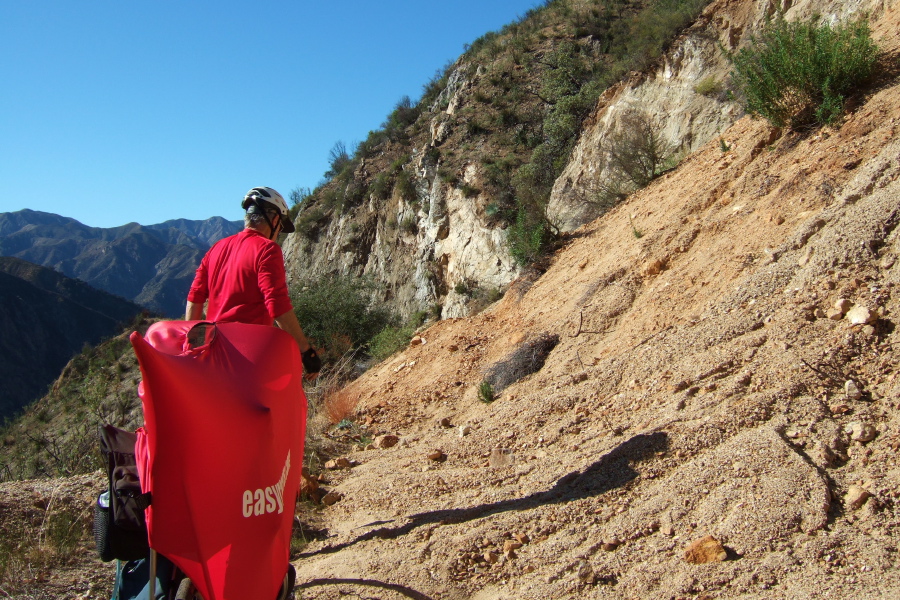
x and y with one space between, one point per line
258 195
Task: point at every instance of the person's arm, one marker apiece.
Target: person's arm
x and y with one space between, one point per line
194 311
198 293
311 362
288 321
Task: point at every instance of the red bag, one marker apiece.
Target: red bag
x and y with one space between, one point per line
221 451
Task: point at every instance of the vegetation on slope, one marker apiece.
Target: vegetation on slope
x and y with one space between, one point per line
798 74
57 436
524 92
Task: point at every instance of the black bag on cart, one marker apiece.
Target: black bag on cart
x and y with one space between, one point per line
120 531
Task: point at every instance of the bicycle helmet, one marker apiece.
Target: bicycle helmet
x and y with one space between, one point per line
258 195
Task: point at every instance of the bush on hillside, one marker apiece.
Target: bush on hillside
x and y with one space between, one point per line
636 154
527 358
298 196
708 86
338 159
528 238
637 149
800 73
389 341
307 222
337 313
404 114
392 339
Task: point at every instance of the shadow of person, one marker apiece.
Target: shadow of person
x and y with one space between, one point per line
400 589
611 471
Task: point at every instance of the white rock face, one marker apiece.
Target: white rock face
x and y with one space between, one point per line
450 243
419 252
685 119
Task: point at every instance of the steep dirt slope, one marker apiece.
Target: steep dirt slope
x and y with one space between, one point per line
699 387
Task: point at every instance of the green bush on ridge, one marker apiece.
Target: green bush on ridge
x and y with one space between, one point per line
337 314
800 73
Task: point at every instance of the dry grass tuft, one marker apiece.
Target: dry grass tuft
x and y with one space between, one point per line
48 539
327 405
528 358
339 404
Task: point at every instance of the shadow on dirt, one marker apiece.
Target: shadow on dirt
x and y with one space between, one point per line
611 471
400 589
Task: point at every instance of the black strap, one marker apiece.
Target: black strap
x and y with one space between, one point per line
265 215
142 501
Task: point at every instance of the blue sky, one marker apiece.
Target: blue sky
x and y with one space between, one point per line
114 112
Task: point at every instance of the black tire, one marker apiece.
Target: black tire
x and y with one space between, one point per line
186 590
101 533
287 586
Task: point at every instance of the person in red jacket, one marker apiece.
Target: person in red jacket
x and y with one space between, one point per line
242 276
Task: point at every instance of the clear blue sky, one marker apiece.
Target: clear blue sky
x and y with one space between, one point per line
114 112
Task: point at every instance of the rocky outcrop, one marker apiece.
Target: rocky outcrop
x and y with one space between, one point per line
438 247
684 97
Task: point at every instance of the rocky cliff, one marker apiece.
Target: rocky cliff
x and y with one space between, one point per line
438 243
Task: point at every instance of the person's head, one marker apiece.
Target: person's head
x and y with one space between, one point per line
267 209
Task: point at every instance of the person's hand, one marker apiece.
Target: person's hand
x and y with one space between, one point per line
312 364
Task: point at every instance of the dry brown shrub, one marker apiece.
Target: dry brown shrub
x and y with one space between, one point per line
328 403
339 404
526 359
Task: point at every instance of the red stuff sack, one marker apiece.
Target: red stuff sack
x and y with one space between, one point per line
221 451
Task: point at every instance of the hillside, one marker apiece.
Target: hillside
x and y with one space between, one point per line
705 382
45 319
150 265
445 203
714 356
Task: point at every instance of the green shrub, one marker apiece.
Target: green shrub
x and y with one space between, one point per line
298 196
708 86
462 288
469 191
800 73
434 86
403 115
381 186
332 198
390 340
338 160
406 187
528 237
307 221
337 313
486 392
434 311
409 225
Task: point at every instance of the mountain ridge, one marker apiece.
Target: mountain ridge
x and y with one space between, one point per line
45 319
148 264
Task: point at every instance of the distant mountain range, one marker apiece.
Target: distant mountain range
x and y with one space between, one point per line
45 319
151 265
